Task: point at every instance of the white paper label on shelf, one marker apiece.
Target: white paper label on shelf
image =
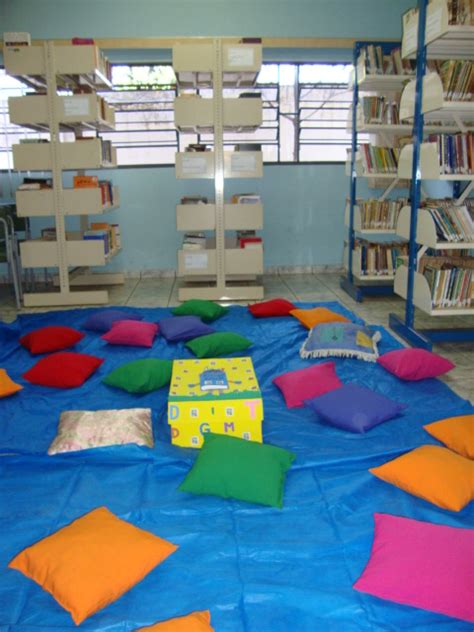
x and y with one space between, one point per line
193 164
410 37
242 162
241 56
76 106
433 24
195 261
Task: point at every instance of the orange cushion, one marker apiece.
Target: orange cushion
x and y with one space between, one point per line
194 622
434 473
92 561
317 315
7 385
455 432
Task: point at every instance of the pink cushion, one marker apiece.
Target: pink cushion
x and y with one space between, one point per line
415 364
421 564
133 333
316 380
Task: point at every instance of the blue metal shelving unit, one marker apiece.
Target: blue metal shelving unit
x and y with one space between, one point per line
406 329
357 291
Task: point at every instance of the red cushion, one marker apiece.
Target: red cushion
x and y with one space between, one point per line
275 307
63 369
48 339
302 384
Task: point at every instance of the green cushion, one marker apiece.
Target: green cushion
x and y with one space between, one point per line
141 376
220 343
235 468
207 310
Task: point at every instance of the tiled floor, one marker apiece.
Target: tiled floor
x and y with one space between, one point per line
163 292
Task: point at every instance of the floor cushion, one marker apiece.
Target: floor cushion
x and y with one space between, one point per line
48 339
341 340
141 376
217 344
7 385
230 467
433 473
274 307
354 408
64 369
296 386
421 564
206 310
184 328
84 429
415 364
93 561
131 333
456 433
199 621
317 316
103 320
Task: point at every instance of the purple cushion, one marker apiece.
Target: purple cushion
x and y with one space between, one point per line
421 564
104 319
415 364
178 328
354 408
131 333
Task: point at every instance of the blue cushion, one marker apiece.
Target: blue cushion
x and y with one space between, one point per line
105 318
178 328
354 408
343 340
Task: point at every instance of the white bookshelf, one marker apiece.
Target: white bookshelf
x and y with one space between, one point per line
366 232
429 165
443 40
434 106
422 295
357 269
426 231
378 83
53 67
218 64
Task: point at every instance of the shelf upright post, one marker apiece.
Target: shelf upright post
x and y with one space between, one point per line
353 187
217 85
56 172
415 192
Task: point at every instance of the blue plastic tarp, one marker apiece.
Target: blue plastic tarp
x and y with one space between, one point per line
257 569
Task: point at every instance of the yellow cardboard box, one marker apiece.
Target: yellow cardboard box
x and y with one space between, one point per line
214 395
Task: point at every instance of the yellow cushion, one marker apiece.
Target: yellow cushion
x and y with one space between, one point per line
7 385
194 622
92 561
316 316
455 432
434 473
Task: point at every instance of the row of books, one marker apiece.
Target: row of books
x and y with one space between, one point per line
93 182
455 152
379 159
457 78
376 214
239 198
461 12
450 280
244 239
109 233
376 63
453 223
380 110
380 259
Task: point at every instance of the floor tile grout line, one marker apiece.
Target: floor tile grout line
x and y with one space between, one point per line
171 291
288 287
133 291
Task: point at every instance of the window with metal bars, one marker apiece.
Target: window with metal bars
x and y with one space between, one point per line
305 113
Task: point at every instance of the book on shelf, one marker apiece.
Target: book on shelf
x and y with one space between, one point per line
32 141
376 63
48 234
245 198
457 78
379 159
99 234
82 41
85 182
14 39
109 228
35 184
194 199
194 241
453 223
450 280
461 12
379 259
455 152
379 215
382 110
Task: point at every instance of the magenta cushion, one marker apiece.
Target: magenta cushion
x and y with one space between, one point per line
415 364
316 380
421 564
133 333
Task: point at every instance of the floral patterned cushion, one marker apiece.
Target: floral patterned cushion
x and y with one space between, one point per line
83 429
